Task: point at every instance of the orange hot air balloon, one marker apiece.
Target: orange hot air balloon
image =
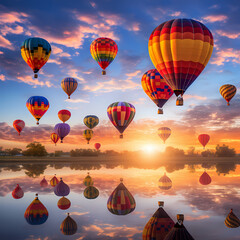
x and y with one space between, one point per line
54 181
44 182
97 146
64 115
205 179
164 182
64 203
17 192
180 49
54 138
19 125
204 139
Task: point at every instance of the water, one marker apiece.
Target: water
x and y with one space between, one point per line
204 207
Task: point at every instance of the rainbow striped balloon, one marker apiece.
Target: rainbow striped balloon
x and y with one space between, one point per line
164 133
69 85
103 50
228 91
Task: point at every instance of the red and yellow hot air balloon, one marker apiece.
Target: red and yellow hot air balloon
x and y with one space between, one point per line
121 115
69 85
19 125
54 181
64 115
54 138
35 52
180 49
204 139
103 50
164 133
37 106
64 203
156 88
228 91
97 146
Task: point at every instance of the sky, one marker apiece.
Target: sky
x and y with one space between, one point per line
70 28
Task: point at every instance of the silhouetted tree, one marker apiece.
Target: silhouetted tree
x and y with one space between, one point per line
208 153
35 149
83 152
174 152
14 151
225 151
191 152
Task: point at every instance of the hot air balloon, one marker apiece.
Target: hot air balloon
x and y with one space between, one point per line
179 231
64 115
228 91
165 182
64 203
68 226
88 180
232 220
180 49
121 201
19 125
61 189
54 138
156 88
204 139
103 50
205 179
121 115
159 225
35 52
91 192
37 106
17 193
62 130
44 182
91 121
97 146
69 85
164 133
36 213
87 134
54 181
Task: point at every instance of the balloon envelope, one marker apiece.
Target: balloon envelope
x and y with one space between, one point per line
69 85
165 182
164 133
91 192
35 52
204 139
64 115
61 189
54 138
91 121
121 115
205 179
54 181
228 91
88 181
103 50
232 220
44 182
64 203
97 146
19 125
87 134
17 193
37 106
62 130
68 226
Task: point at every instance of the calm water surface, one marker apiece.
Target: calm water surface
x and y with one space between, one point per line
204 207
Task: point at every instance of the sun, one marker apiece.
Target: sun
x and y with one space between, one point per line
149 149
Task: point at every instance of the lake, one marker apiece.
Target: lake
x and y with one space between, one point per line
205 207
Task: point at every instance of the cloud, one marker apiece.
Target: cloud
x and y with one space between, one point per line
58 51
227 34
226 55
34 81
176 14
79 213
11 30
215 18
5 43
2 77
133 74
76 100
188 96
13 17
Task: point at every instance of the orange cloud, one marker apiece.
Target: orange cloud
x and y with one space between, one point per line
215 18
226 55
2 77
5 43
227 34
12 17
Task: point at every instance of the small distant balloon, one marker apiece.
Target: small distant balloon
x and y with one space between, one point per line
17 193
228 91
35 52
64 203
62 130
165 183
69 85
88 180
97 146
64 115
205 179
37 106
91 121
68 226
19 125
61 189
204 139
164 133
87 134
44 182
91 192
54 138
232 221
54 181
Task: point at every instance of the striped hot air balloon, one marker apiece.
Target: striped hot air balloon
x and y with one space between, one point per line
35 52
61 189
44 182
156 88
68 226
179 232
64 115
158 225
180 49
87 134
69 85
91 192
54 138
36 213
19 125
121 201
164 133
91 121
64 203
88 180
121 115
204 139
228 91
37 106
232 220
103 50
54 181
164 182
17 193
205 179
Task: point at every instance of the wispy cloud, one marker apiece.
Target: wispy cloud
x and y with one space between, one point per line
76 100
2 77
226 55
34 82
227 34
215 18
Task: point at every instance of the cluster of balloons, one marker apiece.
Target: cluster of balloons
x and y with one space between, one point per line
91 121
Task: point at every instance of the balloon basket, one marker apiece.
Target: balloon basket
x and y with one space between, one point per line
179 101
37 123
160 111
121 136
35 75
103 72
